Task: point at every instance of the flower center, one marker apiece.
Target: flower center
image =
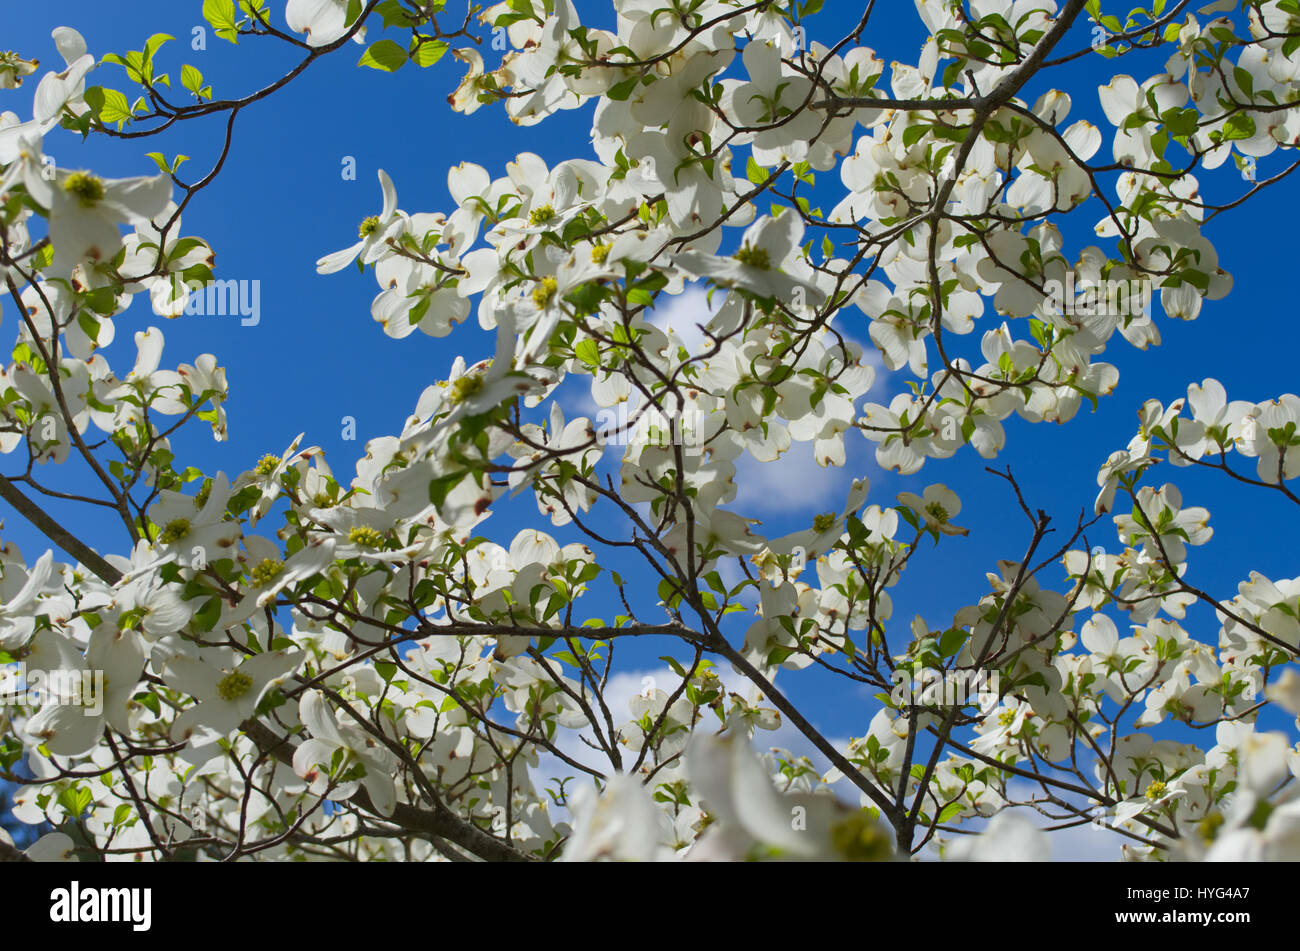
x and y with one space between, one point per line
539 216
365 536
937 512
87 188
754 257
174 531
823 522
466 386
544 291
598 253
1156 790
859 838
267 465
368 226
234 685
1007 717
201 499
1209 826
266 571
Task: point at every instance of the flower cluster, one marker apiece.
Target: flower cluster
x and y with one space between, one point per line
281 638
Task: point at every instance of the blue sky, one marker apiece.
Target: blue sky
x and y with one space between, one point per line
317 356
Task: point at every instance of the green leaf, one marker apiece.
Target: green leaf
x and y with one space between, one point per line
135 66
949 811
588 352
394 14
441 487
1180 122
385 55
620 91
205 619
108 105
161 161
951 641
154 43
221 14
1240 126
669 593
428 52
76 800
192 79
1244 80
255 9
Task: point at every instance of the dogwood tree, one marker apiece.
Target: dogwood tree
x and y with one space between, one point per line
306 661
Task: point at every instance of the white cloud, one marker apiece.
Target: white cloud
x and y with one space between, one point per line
1087 843
618 693
574 397
794 482
1091 842
684 313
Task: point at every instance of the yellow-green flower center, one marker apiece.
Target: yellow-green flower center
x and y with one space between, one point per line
365 536
1209 826
321 500
1007 717
754 257
174 531
266 571
465 387
544 291
201 499
598 253
860 838
87 188
1156 790
368 226
234 685
267 465
824 522
539 216
937 512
